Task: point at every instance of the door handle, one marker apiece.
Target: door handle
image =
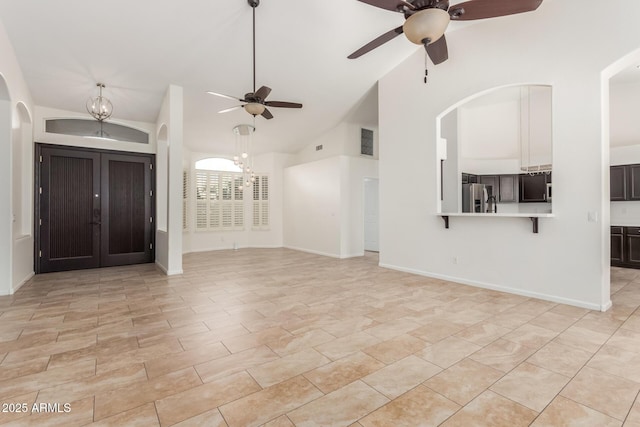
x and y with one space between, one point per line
95 223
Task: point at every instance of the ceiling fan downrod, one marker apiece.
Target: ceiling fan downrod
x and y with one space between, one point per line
254 4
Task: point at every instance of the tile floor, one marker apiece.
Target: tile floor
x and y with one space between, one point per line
283 338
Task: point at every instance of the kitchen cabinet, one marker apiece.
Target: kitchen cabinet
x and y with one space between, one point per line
508 188
533 188
491 180
633 182
468 178
624 182
625 247
618 183
617 245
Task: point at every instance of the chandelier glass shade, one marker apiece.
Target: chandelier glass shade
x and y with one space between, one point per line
100 107
242 154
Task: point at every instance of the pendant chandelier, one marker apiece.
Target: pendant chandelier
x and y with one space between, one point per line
100 107
242 154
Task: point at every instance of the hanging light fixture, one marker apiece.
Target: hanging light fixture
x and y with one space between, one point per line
100 107
242 157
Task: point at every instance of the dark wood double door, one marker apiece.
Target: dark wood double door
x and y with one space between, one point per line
94 209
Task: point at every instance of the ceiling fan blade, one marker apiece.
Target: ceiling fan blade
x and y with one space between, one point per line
480 9
262 93
438 51
393 5
230 109
379 41
224 96
283 104
267 114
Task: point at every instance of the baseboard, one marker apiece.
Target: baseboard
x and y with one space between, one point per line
161 267
359 254
311 251
168 272
14 289
196 251
494 287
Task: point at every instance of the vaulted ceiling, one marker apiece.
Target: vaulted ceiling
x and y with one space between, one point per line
137 48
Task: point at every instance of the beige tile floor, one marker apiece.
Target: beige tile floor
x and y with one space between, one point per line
281 338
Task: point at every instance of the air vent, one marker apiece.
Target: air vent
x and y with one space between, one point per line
366 142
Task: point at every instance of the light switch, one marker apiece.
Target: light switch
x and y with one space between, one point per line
592 216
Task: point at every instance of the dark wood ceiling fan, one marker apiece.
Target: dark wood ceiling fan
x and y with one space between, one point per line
426 20
255 102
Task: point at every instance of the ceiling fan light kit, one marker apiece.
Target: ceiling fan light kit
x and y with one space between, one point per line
255 102
426 26
427 20
254 108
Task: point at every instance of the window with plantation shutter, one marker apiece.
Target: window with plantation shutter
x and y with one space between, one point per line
185 200
219 203
261 202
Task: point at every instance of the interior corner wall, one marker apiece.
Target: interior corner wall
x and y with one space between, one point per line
312 207
564 262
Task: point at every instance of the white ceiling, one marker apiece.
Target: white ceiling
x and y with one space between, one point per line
137 48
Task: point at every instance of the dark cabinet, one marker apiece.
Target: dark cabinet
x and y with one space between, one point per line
633 180
468 178
617 245
533 188
618 183
624 182
625 247
508 188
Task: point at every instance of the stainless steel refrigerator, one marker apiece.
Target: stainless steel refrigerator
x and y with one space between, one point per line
475 198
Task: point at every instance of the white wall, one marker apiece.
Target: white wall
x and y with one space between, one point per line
344 139
625 126
16 242
169 242
324 205
312 206
568 260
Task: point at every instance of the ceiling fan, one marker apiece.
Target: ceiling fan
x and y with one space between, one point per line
427 20
255 102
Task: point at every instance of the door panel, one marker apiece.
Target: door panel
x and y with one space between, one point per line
94 209
126 207
70 210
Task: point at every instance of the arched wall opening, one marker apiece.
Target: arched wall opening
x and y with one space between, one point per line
6 241
22 172
616 213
